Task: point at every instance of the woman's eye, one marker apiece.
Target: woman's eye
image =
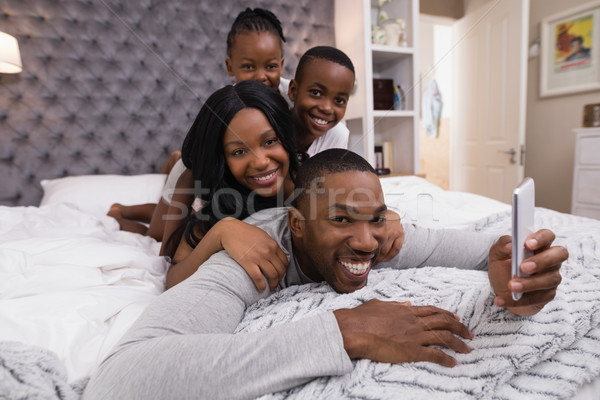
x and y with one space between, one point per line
237 152
270 142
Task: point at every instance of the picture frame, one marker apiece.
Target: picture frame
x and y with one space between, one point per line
570 51
591 115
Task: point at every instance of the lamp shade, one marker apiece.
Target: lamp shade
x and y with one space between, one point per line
10 58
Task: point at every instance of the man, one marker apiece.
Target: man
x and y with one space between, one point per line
578 50
183 347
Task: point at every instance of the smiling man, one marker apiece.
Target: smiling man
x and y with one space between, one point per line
183 345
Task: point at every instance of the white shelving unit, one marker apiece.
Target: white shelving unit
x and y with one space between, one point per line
369 127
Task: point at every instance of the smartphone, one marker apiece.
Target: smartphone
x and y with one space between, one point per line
523 225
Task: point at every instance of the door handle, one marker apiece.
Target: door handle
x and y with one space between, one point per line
512 152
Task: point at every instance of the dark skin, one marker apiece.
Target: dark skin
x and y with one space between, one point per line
347 226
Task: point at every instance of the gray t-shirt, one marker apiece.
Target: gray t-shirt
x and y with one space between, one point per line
183 345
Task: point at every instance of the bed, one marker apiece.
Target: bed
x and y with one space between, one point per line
71 284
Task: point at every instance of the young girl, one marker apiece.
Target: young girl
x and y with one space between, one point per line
238 151
255 49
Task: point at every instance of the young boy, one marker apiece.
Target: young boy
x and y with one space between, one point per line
320 92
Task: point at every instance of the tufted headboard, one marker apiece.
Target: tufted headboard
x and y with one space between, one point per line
112 86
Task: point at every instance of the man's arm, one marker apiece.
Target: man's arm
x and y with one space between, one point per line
441 247
183 345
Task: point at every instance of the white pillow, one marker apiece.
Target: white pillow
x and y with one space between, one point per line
96 193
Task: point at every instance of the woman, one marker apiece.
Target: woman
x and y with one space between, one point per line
240 151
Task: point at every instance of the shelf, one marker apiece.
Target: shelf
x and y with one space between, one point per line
393 113
390 51
377 61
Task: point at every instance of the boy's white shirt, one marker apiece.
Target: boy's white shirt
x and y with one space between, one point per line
336 137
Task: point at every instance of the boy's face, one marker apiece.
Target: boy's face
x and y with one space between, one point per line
256 56
320 96
339 228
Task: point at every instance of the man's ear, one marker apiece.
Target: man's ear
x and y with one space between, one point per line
229 67
293 90
296 222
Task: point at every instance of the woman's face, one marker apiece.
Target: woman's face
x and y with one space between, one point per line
254 154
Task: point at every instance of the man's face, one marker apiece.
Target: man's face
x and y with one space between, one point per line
341 229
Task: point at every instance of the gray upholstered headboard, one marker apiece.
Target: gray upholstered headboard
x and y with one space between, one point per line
112 86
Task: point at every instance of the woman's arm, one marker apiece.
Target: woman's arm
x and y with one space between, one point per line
248 245
180 204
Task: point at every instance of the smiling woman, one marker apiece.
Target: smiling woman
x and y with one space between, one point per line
254 153
241 154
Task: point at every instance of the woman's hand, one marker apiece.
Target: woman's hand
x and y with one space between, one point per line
254 250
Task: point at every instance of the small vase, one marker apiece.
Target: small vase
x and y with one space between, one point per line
377 35
395 33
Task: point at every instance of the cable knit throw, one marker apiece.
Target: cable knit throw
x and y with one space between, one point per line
545 356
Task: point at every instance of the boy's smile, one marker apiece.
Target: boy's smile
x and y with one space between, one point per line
320 98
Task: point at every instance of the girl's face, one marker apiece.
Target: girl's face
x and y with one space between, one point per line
254 154
256 56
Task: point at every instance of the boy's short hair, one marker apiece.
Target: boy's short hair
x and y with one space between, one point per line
323 53
325 163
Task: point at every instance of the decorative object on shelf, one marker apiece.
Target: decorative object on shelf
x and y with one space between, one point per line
377 35
379 162
388 31
10 58
591 115
383 94
431 109
395 33
399 98
388 156
571 51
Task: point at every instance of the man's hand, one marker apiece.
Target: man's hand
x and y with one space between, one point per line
544 268
395 237
398 332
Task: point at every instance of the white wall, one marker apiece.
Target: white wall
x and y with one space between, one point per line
549 138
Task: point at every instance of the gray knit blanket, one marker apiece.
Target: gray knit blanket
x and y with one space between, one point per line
545 356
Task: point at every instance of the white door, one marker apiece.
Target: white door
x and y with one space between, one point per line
490 86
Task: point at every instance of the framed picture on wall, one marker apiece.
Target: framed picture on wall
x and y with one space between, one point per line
570 56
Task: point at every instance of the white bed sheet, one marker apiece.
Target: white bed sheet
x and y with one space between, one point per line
71 282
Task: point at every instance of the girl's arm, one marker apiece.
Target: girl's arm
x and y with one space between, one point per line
248 245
